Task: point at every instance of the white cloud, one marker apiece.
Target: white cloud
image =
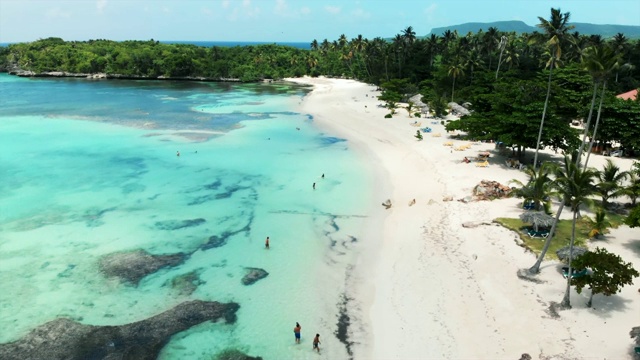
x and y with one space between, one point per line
56 12
166 10
332 9
281 8
305 11
359 13
430 10
100 5
225 4
207 11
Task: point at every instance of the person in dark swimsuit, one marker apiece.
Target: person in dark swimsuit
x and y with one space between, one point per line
316 342
296 332
266 243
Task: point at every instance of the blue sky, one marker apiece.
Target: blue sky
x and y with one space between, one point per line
278 20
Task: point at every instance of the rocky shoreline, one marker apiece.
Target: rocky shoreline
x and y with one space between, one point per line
67 339
104 76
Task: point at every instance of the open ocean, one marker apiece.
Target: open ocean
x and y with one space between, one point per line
299 45
90 168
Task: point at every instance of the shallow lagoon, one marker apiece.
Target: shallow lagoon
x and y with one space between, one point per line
89 168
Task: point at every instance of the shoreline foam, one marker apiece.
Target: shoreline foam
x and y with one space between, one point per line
434 289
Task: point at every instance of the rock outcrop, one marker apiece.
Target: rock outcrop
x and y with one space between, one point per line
133 266
66 339
253 275
489 190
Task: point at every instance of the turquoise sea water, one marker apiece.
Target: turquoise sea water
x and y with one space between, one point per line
89 168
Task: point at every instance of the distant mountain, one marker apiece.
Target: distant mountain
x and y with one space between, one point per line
606 31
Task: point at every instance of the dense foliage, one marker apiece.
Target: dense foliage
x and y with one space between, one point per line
504 76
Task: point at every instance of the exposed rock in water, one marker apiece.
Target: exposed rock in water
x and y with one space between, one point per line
178 224
67 339
254 275
187 283
233 354
133 266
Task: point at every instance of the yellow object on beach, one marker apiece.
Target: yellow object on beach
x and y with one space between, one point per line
460 148
482 164
436 135
416 123
448 143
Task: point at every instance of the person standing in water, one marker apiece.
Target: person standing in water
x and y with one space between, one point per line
323 176
296 332
266 243
314 186
316 342
177 153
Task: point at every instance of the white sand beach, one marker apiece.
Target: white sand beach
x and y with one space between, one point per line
433 289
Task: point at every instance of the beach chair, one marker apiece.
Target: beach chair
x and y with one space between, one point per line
416 124
426 129
538 234
574 272
436 135
448 143
529 205
460 148
482 164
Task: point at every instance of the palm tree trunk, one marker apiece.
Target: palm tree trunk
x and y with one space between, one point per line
453 88
586 127
590 299
544 112
499 62
536 267
566 300
595 129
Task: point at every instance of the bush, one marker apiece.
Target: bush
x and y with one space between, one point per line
417 114
388 116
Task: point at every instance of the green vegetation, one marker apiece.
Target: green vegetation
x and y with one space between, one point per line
561 239
609 273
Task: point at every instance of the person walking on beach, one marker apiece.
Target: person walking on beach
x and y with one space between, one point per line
314 186
316 342
296 332
178 153
323 176
266 243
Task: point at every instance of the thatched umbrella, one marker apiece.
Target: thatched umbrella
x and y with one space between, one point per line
537 218
635 333
563 253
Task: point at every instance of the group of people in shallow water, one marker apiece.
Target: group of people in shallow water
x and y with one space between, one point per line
316 340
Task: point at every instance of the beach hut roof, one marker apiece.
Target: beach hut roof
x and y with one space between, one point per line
563 253
537 218
629 95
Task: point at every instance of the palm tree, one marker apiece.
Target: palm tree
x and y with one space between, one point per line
314 45
610 182
456 69
501 46
556 32
431 47
575 186
539 186
600 61
633 190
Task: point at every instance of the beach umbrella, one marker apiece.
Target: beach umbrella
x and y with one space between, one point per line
537 218
563 253
635 333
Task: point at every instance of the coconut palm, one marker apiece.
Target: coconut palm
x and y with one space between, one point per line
314 45
633 190
539 186
556 33
557 170
610 182
575 185
432 45
600 224
600 61
456 69
501 46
